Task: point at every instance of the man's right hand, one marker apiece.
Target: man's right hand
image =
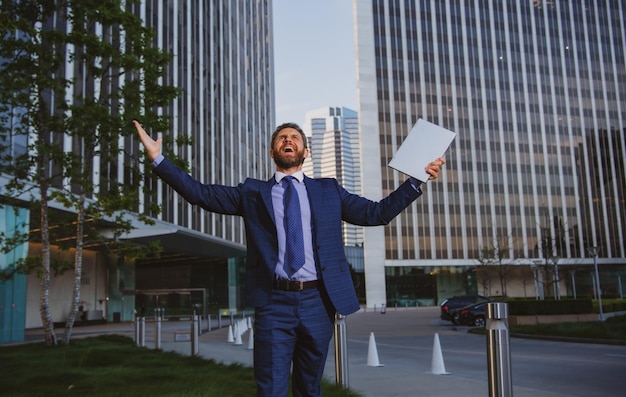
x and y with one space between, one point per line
152 147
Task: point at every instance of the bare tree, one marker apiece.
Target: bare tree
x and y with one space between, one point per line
495 260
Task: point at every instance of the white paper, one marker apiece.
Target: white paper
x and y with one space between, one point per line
425 143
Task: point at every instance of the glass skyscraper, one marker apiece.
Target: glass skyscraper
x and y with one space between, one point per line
535 91
223 64
334 153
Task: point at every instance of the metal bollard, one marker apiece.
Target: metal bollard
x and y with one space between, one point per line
195 335
142 331
498 353
157 330
137 329
341 351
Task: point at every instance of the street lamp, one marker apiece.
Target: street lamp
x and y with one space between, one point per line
533 269
593 251
572 273
539 278
557 281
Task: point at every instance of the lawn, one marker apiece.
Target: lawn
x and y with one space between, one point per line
112 365
613 328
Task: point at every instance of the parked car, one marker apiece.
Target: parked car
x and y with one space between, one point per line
473 315
450 305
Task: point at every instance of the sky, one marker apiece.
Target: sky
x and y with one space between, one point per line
314 57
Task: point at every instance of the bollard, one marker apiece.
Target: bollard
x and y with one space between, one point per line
498 354
136 329
194 335
341 351
383 309
142 331
157 330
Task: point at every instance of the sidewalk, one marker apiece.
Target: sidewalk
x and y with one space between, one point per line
403 337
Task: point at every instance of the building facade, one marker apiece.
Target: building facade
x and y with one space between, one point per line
536 176
223 61
223 64
334 153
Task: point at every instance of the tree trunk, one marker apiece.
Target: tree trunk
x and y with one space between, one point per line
78 269
44 292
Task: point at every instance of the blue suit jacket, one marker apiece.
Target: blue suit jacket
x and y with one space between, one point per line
330 205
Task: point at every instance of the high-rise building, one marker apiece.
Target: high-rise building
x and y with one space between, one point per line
334 153
223 64
536 176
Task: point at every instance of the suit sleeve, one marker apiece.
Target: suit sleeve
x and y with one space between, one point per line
364 212
215 198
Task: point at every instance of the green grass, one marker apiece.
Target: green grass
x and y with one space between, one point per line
112 365
612 329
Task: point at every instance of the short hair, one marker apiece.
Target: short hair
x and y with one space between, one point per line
289 125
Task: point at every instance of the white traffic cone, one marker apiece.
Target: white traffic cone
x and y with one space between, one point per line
238 341
437 366
251 339
372 353
230 339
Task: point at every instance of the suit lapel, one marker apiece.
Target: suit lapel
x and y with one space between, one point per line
266 196
314 192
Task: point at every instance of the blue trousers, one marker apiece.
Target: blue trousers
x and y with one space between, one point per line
294 328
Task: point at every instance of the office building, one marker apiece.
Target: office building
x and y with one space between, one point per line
334 145
334 153
536 176
223 63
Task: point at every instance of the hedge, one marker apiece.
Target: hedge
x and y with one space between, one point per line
538 307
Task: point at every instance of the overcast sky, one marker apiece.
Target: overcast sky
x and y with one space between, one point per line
314 57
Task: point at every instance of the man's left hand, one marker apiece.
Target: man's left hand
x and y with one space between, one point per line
434 168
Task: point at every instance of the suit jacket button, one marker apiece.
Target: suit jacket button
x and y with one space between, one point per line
323 268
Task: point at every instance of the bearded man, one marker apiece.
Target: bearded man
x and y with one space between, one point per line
297 275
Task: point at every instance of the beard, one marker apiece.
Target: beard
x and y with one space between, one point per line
285 163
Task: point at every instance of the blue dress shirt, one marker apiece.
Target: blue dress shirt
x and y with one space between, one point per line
308 272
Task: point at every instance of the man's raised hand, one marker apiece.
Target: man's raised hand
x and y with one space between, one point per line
152 147
434 168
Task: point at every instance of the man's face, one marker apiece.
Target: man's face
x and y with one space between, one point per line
288 150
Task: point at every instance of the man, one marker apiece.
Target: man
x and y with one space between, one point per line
297 275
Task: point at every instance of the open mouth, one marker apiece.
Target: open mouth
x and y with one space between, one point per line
289 149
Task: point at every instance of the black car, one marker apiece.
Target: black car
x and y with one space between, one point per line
449 306
473 315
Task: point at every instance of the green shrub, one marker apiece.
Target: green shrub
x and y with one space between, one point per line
539 307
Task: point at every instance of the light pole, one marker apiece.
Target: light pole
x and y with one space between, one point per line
533 269
539 275
572 275
557 281
594 252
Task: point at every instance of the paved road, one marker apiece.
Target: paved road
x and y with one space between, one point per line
405 341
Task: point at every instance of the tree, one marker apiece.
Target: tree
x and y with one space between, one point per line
494 259
551 247
73 76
